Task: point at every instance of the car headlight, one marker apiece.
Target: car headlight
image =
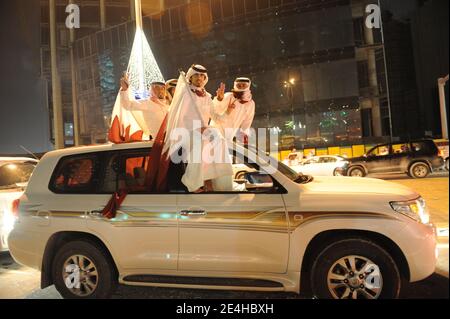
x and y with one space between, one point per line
415 209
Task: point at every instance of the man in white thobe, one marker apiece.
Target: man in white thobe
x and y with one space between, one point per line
234 111
191 105
153 110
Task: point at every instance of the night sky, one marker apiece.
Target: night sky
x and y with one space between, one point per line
23 115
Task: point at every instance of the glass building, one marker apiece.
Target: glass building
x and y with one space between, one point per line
318 74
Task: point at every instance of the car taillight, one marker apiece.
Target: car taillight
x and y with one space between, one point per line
15 207
441 153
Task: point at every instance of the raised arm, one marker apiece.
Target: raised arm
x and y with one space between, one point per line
130 104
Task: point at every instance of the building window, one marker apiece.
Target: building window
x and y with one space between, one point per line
366 118
358 30
363 74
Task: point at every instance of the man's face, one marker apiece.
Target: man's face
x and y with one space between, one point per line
198 80
159 91
242 85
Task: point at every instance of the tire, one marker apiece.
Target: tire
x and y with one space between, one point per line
446 165
419 170
356 171
366 252
102 278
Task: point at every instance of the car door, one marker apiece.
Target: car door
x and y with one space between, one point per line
236 231
378 159
144 233
400 158
327 165
310 167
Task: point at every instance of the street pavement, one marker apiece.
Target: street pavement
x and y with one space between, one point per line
17 281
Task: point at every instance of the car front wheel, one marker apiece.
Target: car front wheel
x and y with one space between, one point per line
355 269
356 172
82 270
419 170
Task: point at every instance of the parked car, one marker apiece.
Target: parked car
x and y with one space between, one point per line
14 175
417 159
443 151
326 165
338 236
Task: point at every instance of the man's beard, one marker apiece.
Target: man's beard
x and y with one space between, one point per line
243 96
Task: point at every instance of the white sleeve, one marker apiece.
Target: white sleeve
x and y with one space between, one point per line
220 107
248 119
132 105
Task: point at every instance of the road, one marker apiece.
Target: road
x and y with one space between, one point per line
20 282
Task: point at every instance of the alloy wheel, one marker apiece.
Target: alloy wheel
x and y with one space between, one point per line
354 277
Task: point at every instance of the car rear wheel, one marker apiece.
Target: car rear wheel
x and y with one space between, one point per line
446 165
82 270
419 170
355 269
356 172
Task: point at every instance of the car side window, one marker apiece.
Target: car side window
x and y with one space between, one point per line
327 160
382 150
249 178
75 174
400 148
311 161
126 171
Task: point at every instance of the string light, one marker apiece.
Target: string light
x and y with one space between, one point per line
142 66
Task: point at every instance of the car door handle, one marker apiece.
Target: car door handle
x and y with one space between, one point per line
193 213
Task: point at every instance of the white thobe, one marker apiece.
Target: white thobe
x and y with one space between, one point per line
153 113
199 167
240 118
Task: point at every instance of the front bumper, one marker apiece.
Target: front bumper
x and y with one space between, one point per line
420 249
342 171
437 163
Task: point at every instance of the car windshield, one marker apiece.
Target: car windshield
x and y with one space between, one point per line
13 175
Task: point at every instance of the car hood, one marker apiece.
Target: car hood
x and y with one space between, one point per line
352 194
352 185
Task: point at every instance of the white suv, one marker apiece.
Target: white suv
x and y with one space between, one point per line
338 237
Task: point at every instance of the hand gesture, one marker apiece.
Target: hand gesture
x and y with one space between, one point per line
220 92
124 84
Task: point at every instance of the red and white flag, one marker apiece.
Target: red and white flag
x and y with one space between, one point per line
124 126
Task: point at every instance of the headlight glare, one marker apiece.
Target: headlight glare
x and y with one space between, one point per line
415 209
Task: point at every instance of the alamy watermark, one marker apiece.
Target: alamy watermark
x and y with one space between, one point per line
73 19
373 19
73 279
210 146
